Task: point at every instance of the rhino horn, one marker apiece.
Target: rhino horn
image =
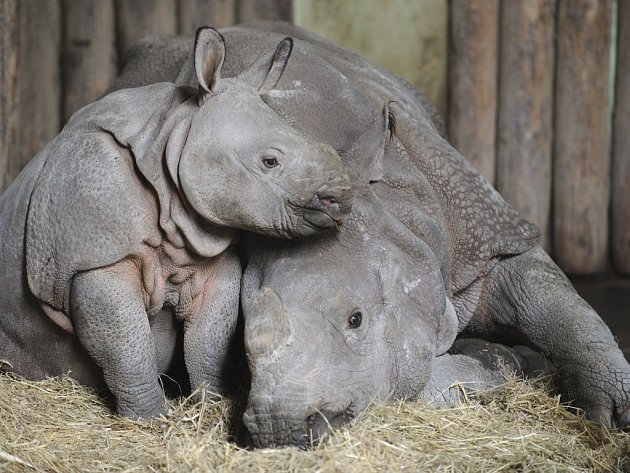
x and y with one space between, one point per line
267 328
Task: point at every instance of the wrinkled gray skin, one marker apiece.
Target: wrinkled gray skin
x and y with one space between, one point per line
430 252
118 233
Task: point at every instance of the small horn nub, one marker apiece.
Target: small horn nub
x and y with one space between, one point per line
267 327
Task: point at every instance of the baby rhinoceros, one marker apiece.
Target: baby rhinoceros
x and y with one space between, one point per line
116 237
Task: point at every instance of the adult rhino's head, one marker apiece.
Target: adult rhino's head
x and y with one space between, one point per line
243 166
334 322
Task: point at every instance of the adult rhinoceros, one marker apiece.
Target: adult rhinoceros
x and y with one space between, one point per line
120 230
431 251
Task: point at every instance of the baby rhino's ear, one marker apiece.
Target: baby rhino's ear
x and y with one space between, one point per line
265 73
209 57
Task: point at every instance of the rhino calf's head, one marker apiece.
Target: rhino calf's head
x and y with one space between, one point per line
241 165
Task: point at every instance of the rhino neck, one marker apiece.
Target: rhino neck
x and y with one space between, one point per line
184 227
181 225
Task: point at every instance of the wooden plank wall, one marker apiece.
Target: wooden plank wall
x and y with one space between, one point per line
58 55
621 146
529 97
473 79
552 157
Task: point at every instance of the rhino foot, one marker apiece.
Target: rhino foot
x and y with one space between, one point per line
493 356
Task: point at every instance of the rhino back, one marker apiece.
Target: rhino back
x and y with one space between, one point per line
153 59
478 222
334 95
14 204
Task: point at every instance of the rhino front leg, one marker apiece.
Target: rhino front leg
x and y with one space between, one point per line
528 300
471 364
210 344
109 316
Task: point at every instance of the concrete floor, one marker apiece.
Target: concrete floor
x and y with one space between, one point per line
611 299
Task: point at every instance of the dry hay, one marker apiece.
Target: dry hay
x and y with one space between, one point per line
57 425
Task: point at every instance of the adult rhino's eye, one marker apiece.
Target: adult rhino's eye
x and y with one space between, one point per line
355 319
270 162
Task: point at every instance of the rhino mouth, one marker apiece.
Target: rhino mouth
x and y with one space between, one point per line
322 424
322 213
321 219
305 435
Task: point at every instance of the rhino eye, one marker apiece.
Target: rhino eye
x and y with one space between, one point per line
354 321
270 162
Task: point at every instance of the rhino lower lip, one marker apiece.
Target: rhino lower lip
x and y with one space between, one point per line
320 219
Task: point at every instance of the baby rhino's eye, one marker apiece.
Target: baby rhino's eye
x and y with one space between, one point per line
270 162
354 320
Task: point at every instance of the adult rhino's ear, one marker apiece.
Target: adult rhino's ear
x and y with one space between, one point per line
265 73
369 150
209 57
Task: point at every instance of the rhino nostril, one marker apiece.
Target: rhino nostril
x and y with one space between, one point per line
327 201
302 440
317 426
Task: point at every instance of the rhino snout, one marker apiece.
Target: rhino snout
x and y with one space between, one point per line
279 429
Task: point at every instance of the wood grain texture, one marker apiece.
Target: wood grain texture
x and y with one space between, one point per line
473 81
254 10
524 137
196 13
89 52
35 76
621 146
9 41
582 141
138 18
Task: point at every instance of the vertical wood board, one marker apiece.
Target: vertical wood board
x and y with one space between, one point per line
38 79
256 10
621 146
138 18
473 81
196 13
524 138
9 41
89 52
582 141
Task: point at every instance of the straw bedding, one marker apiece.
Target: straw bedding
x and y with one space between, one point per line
57 425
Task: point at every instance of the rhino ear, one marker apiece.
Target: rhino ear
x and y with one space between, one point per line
209 57
265 73
371 146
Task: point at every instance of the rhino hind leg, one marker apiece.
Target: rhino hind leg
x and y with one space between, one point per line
111 322
528 300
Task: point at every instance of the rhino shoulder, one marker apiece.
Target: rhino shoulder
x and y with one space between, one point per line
481 226
88 209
